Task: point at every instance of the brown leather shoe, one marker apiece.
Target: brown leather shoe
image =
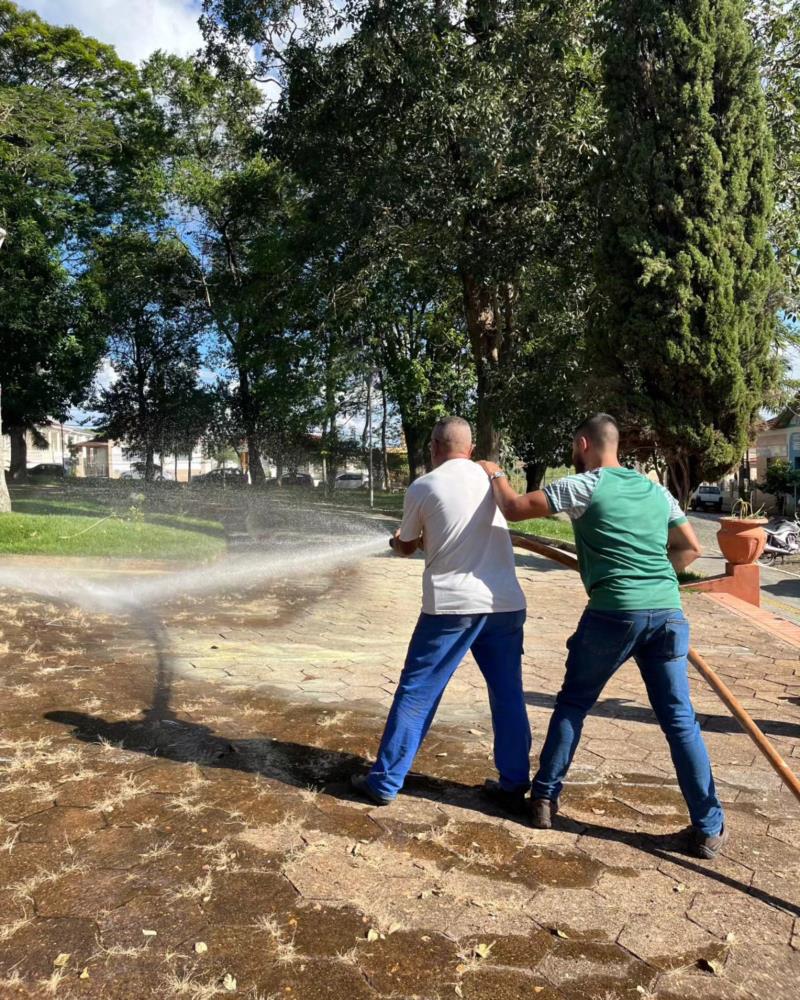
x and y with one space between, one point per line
360 784
704 846
514 802
542 812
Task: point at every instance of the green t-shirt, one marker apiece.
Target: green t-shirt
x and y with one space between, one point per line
621 521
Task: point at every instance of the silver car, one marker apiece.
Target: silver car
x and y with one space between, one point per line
706 497
350 481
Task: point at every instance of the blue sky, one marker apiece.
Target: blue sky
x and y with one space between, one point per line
134 27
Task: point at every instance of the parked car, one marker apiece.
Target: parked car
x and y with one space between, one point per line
46 470
706 497
299 479
221 477
136 471
351 481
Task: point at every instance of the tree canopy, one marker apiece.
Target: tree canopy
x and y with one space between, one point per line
512 210
683 333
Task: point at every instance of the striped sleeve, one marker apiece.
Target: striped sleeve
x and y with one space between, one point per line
572 494
677 515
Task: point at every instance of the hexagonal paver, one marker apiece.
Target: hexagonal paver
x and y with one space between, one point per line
409 963
60 825
747 919
84 894
34 948
596 970
669 940
240 898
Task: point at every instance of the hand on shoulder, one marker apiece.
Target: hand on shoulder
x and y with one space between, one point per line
489 467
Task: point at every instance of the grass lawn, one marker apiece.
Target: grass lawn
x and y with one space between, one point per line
358 500
68 528
392 505
548 527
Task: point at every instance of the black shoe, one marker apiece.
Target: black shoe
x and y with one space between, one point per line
359 783
705 846
542 812
510 802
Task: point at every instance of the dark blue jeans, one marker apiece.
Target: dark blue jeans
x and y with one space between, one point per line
659 642
438 645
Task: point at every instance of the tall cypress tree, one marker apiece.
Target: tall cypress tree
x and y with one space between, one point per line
682 337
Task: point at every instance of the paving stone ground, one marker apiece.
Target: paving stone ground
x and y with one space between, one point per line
175 819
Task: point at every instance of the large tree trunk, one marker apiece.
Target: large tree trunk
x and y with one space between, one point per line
249 419
330 435
5 499
19 454
149 464
415 445
534 474
486 338
384 422
679 479
189 469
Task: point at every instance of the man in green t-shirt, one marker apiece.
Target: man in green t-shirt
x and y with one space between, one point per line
632 538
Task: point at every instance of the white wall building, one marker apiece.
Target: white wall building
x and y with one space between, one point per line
59 439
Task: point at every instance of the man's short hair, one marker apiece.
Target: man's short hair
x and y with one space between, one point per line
601 429
452 433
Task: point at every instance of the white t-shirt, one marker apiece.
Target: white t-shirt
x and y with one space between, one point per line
469 561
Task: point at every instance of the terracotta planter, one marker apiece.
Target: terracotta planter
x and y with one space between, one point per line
741 539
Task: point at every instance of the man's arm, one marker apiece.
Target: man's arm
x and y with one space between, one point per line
683 546
401 548
515 506
408 537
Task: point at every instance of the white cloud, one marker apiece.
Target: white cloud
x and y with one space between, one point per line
106 375
134 27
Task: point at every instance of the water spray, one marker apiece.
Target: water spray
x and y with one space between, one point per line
140 600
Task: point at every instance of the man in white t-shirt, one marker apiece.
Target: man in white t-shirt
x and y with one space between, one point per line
471 601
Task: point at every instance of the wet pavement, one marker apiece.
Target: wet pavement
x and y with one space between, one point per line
175 819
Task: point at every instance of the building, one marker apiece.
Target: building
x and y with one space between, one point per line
51 445
80 452
83 453
780 439
103 457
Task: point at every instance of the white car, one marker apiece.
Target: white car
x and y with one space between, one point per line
350 481
706 497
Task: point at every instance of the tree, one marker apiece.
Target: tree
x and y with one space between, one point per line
433 135
189 418
539 405
683 332
542 388
54 354
780 480
142 295
238 229
420 345
5 498
70 114
776 27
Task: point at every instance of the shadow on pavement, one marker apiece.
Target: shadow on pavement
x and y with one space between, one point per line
619 708
300 765
783 588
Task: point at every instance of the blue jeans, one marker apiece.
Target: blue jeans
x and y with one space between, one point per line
659 642
438 645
